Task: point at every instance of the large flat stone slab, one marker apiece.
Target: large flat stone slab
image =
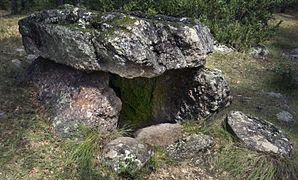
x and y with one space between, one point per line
129 44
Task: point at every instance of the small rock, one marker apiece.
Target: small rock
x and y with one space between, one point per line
294 53
1 114
160 135
258 134
16 62
220 48
189 147
126 155
259 52
276 95
31 57
285 117
20 51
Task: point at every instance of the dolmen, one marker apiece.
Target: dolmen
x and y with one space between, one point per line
121 68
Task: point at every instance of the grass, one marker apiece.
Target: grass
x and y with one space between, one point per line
31 150
250 79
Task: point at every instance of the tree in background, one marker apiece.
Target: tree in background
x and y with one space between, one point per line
23 4
14 7
61 2
238 23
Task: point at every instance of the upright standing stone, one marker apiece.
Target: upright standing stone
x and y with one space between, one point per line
75 98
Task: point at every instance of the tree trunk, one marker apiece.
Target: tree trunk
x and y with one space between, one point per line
14 7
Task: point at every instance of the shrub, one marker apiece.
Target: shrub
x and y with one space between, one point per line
238 23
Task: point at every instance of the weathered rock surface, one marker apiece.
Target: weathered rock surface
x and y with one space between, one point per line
75 98
190 94
189 147
176 96
130 44
285 116
160 135
126 155
258 134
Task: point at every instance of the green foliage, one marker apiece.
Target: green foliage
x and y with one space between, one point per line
238 23
84 149
242 163
4 4
286 76
229 155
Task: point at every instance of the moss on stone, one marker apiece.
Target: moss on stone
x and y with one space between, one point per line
119 22
136 96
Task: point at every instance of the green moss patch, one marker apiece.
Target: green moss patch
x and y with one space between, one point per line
136 96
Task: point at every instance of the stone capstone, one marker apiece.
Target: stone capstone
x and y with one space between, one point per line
190 147
258 134
75 98
126 155
160 135
176 96
129 44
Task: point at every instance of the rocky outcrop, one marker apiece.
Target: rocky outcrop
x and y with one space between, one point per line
258 134
160 135
130 44
176 96
75 98
126 155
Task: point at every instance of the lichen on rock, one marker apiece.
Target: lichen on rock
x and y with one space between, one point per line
154 63
126 155
258 134
75 98
130 44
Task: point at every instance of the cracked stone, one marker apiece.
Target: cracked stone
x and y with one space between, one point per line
258 134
